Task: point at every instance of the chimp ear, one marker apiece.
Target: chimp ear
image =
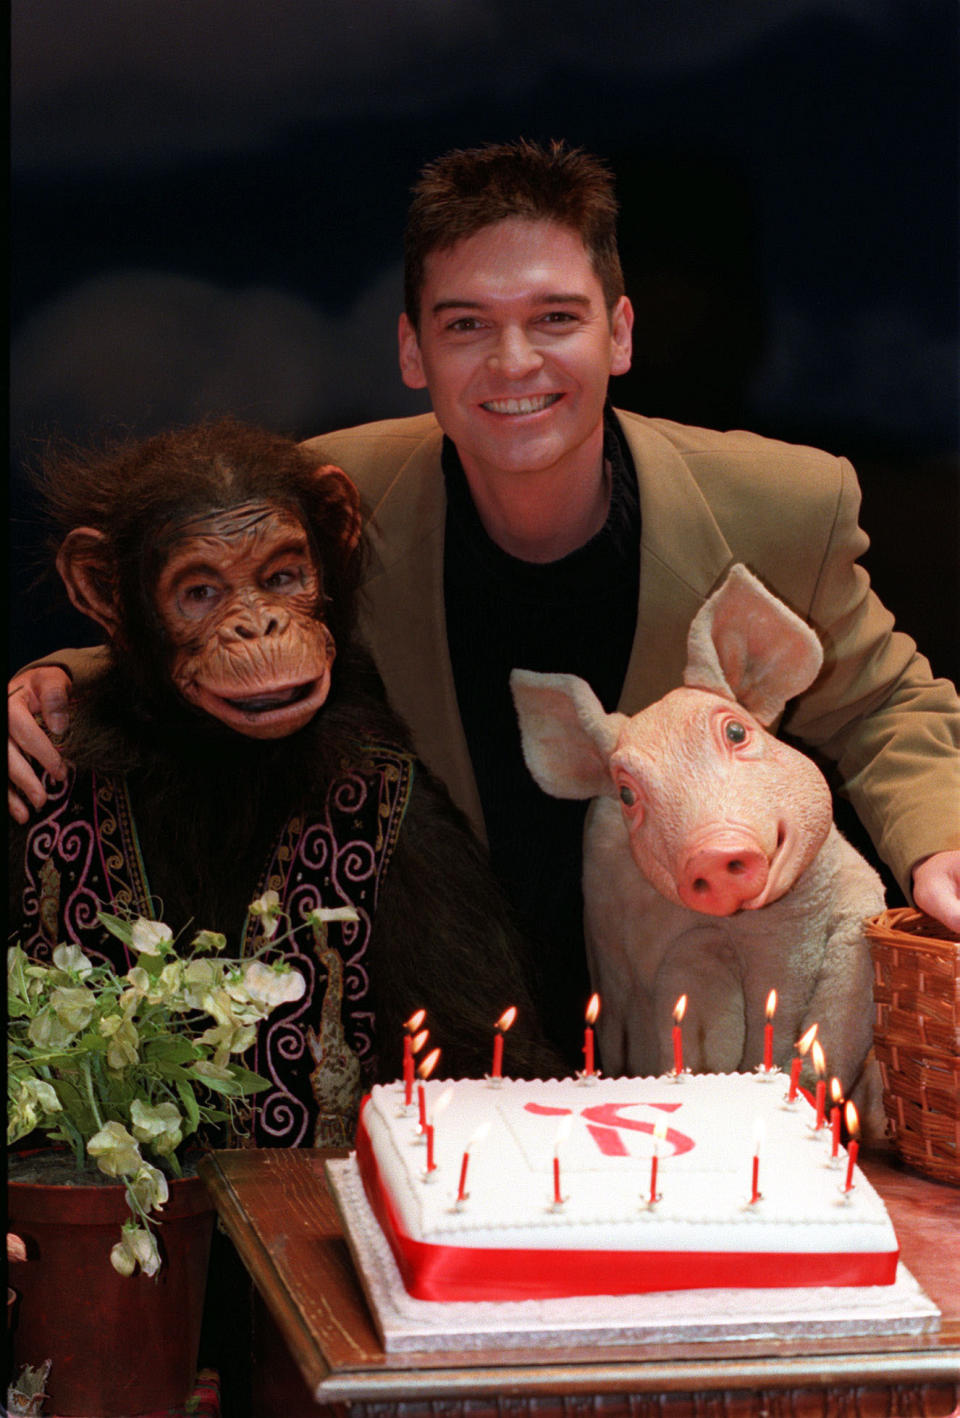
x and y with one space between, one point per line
84 567
349 499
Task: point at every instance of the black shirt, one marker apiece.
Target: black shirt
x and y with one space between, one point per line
577 616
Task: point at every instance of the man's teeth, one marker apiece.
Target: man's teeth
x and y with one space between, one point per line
530 405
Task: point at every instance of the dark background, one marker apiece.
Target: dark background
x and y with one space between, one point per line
208 201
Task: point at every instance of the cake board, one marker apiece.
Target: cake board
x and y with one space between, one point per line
665 1317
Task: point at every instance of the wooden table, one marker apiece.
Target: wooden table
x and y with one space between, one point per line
276 1208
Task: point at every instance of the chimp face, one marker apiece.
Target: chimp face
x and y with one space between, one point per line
240 600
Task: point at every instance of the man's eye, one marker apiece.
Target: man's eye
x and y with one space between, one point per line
464 325
558 317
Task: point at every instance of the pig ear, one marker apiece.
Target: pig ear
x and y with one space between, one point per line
748 646
567 735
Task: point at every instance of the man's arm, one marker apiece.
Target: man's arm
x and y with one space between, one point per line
38 700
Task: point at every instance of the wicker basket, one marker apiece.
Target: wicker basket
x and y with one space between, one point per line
916 991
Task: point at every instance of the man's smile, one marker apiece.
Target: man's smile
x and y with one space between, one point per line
530 404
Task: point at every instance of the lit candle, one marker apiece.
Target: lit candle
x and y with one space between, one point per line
755 1193
563 1132
836 1094
500 1028
802 1046
679 1010
478 1136
592 1010
410 1028
768 1031
820 1064
425 1069
659 1133
431 1165
853 1146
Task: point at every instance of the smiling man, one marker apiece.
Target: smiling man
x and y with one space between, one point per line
527 523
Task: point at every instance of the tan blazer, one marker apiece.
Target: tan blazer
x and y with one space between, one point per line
707 500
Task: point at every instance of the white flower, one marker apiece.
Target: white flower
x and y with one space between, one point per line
123 1049
116 1151
147 937
149 1188
70 958
267 909
73 1007
159 1124
137 1247
209 940
333 913
273 984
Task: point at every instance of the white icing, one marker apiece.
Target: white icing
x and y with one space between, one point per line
704 1168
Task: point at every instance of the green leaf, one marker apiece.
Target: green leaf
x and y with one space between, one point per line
190 1105
117 926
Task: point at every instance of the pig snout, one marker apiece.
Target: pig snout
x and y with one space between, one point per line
720 876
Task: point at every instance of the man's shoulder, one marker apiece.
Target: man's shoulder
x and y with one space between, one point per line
733 452
384 439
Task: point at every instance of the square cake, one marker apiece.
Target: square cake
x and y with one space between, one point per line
560 1187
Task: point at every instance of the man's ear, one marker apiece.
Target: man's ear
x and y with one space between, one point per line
411 361
85 570
621 336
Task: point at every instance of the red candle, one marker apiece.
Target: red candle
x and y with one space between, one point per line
557 1198
407 1070
592 1010
836 1093
755 1194
462 1188
654 1163
431 1165
768 1031
425 1069
679 1010
820 1065
563 1132
853 1146
500 1028
802 1045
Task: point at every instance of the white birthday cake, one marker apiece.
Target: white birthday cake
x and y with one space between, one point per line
616 1186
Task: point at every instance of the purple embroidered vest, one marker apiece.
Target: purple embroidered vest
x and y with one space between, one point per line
318 1052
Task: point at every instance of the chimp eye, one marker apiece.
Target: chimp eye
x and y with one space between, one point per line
735 731
627 796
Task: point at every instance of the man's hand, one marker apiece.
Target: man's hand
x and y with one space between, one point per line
936 888
43 691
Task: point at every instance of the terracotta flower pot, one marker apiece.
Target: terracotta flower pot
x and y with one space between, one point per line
120 1346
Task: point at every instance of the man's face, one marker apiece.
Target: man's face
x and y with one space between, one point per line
516 347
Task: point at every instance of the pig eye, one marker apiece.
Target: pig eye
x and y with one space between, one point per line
735 731
627 796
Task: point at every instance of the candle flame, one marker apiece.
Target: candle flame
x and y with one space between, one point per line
429 1064
507 1018
479 1135
563 1132
680 1009
593 1009
819 1061
771 1005
417 1043
836 1090
659 1135
442 1103
415 1020
851 1119
804 1042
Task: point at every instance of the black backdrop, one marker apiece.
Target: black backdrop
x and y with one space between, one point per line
208 200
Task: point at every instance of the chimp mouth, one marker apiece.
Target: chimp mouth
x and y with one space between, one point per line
276 699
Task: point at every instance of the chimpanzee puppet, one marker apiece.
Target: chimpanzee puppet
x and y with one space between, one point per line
242 743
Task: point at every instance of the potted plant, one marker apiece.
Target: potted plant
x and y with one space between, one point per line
119 1077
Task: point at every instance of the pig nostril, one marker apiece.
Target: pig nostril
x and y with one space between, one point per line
701 885
736 867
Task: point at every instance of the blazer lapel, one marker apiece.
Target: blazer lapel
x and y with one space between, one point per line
682 556
405 625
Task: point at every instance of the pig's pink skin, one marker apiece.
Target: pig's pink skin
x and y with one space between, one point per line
706 786
723 815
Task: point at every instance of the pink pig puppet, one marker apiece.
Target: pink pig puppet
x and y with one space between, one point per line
712 866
